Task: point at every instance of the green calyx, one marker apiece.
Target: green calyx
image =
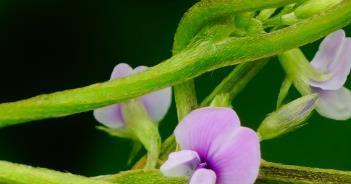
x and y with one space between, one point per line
287 118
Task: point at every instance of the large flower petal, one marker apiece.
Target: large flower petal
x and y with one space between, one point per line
201 127
334 104
110 116
204 176
182 163
340 68
236 157
328 50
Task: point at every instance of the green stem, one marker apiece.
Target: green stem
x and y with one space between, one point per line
270 173
206 11
185 97
20 174
236 81
186 65
279 173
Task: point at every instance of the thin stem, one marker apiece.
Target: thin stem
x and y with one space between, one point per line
186 65
236 81
185 97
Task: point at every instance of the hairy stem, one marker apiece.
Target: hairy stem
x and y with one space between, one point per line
208 10
20 174
279 173
185 65
269 173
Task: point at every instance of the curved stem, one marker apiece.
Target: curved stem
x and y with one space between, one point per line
206 11
181 67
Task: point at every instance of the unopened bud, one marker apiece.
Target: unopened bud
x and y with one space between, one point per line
288 118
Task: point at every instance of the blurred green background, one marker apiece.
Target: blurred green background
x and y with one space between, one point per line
48 46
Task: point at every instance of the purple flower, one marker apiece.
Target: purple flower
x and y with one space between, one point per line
215 149
156 103
333 57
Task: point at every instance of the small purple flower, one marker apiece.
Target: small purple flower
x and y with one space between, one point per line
156 103
215 149
333 57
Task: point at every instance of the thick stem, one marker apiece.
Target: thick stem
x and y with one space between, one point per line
270 173
186 65
279 173
20 174
206 11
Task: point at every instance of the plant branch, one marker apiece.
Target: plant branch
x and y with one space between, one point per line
185 65
21 174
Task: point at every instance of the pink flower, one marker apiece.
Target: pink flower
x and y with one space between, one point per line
215 149
333 57
156 103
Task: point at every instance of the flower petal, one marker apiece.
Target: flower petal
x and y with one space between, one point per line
202 126
182 163
328 50
110 116
204 176
236 157
156 103
334 104
121 70
340 68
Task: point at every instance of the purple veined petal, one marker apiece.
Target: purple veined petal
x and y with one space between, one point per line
156 103
121 70
204 176
340 67
202 126
334 104
328 50
110 116
236 157
182 163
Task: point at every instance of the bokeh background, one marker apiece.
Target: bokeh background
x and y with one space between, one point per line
47 46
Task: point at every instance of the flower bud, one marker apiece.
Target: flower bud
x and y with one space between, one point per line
288 118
